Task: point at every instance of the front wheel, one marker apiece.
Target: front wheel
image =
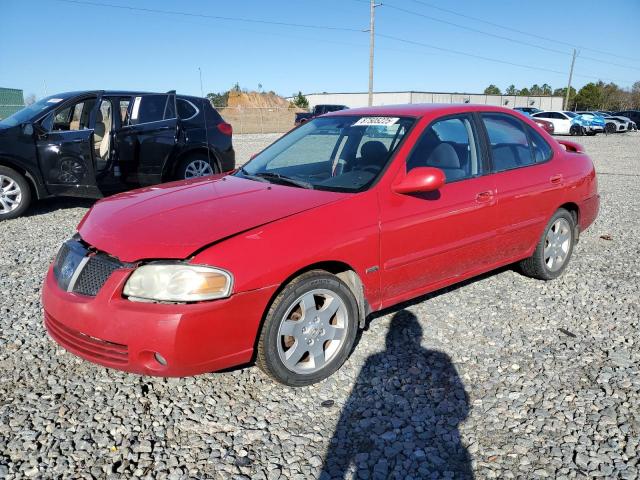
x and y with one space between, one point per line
15 194
554 249
309 330
575 130
610 128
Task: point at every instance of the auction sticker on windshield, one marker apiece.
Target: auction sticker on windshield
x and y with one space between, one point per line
376 121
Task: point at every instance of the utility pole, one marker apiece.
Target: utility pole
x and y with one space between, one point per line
566 97
372 27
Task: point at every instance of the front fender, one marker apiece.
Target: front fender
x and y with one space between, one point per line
345 231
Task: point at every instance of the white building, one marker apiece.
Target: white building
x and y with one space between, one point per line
353 100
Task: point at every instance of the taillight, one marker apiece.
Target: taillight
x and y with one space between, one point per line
225 128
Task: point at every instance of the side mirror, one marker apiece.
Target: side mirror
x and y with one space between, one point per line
421 179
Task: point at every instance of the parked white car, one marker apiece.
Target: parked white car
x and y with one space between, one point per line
618 123
569 123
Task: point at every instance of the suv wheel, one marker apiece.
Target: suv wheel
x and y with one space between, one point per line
15 194
197 165
309 330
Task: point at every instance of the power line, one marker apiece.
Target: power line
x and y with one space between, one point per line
522 32
489 59
501 37
317 27
213 17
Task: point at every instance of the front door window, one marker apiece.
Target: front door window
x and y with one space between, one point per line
74 117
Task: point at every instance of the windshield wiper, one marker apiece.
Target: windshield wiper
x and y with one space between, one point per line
284 179
250 176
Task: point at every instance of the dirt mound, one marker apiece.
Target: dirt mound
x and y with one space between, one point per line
257 112
256 100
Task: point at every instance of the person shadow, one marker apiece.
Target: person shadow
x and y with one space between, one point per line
401 419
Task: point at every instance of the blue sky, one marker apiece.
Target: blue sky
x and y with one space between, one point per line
72 46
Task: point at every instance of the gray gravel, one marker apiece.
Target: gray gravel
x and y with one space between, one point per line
503 376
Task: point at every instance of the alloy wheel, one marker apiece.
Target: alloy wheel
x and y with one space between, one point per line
10 195
198 168
557 244
312 331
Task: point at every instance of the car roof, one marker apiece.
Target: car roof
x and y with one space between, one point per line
418 109
77 93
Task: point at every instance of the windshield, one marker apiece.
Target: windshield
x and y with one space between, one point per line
27 114
345 153
570 114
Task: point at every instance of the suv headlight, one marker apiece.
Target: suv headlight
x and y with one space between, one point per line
177 282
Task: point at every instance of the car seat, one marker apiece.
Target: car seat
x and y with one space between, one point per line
445 158
102 137
373 154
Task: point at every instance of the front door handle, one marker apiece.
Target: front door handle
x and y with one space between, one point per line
484 197
556 179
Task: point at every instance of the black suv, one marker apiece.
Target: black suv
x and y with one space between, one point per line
96 143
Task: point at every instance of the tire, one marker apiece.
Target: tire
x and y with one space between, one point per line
197 165
591 133
309 339
15 194
575 130
559 237
610 128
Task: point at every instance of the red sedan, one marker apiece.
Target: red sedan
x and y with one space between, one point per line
280 262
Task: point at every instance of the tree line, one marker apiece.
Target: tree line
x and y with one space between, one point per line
593 96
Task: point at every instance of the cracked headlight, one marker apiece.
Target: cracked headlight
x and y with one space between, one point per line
177 282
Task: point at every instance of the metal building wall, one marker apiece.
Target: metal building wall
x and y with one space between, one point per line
354 100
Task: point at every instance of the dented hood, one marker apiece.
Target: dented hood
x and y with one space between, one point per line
176 219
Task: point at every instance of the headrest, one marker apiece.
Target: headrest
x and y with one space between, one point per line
444 156
373 151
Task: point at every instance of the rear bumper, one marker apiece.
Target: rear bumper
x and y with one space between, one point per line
117 333
589 209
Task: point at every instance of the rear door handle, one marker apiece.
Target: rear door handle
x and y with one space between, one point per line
555 179
484 197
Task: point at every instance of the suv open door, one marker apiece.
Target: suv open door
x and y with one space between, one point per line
64 141
147 138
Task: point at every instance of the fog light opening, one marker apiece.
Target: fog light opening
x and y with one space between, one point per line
160 359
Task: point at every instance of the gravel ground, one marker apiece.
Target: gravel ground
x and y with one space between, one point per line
502 376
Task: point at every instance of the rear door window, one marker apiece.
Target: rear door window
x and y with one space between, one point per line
541 149
186 110
508 141
152 108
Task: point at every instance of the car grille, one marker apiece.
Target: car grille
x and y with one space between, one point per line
95 273
86 345
80 271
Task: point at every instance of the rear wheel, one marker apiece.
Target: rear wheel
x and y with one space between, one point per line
610 128
196 165
15 194
575 130
554 249
309 330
